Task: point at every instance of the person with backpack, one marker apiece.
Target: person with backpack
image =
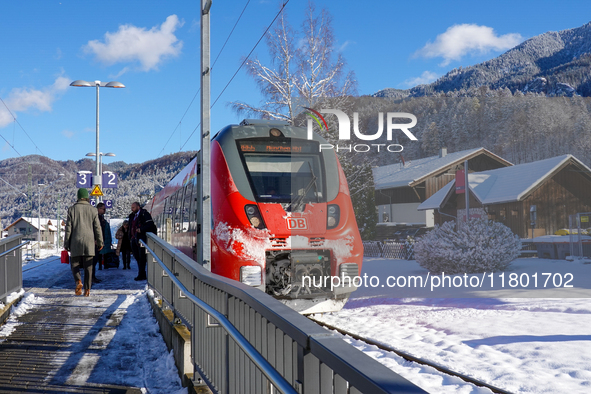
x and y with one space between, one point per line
107 239
123 244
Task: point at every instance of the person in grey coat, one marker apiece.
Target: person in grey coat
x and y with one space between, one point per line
83 232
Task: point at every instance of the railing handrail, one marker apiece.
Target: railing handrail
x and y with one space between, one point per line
275 314
271 373
364 374
13 249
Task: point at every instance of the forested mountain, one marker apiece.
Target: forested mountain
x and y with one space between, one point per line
137 182
530 103
520 128
553 64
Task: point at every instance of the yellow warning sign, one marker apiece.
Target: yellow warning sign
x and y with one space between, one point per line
96 191
584 219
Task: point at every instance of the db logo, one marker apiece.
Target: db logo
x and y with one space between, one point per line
297 224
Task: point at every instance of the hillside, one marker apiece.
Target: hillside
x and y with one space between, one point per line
137 182
531 103
553 64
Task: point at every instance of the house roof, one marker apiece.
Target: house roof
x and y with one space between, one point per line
35 222
506 184
415 171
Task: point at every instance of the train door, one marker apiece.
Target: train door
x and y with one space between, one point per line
167 220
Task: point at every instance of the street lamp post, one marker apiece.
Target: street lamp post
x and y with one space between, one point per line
39 219
97 180
59 224
101 154
39 212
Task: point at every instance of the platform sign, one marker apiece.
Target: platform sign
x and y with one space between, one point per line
93 203
110 180
96 191
108 204
84 179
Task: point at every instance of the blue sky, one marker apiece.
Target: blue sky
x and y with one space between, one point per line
47 44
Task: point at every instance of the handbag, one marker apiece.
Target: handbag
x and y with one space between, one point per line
65 257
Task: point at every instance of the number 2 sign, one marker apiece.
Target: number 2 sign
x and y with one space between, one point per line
109 180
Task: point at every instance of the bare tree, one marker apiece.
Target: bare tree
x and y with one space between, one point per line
299 75
318 77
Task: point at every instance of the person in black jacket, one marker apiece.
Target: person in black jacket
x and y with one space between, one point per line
141 224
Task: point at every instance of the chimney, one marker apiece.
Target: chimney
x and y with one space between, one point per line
442 151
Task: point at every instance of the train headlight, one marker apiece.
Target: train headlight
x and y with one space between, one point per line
255 222
275 133
333 217
250 275
254 216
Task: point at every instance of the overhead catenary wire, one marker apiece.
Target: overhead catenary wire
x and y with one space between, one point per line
239 67
199 90
250 53
22 128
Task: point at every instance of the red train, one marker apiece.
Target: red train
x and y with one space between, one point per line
282 215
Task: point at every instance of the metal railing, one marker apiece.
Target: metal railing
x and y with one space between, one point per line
244 341
403 250
11 265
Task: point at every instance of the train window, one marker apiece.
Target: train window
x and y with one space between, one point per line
177 216
187 207
285 178
192 211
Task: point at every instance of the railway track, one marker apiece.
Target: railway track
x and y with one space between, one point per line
412 358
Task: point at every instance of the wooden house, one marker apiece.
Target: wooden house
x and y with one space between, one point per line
29 228
544 193
402 187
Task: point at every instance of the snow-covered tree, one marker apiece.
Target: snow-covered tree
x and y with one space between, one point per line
302 72
480 245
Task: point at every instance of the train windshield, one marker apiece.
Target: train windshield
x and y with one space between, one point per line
294 179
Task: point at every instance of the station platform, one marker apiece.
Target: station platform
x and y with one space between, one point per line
56 342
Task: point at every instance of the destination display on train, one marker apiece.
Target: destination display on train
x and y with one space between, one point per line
278 146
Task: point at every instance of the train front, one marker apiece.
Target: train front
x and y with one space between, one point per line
283 218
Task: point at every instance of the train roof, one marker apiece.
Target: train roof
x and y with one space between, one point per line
257 128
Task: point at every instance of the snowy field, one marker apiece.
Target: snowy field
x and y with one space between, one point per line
522 345
136 341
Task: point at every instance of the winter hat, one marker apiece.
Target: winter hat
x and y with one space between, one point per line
82 193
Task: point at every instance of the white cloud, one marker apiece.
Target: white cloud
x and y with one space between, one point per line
131 44
61 83
67 133
24 99
426 77
459 40
345 45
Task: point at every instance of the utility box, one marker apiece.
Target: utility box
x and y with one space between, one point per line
546 247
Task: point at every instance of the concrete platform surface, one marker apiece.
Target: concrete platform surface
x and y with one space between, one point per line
56 342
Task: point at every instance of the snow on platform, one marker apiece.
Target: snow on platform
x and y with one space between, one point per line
103 343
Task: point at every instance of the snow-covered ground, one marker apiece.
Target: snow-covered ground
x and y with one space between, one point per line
153 370
523 345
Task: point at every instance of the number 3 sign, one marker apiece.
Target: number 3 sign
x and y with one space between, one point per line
84 179
109 180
